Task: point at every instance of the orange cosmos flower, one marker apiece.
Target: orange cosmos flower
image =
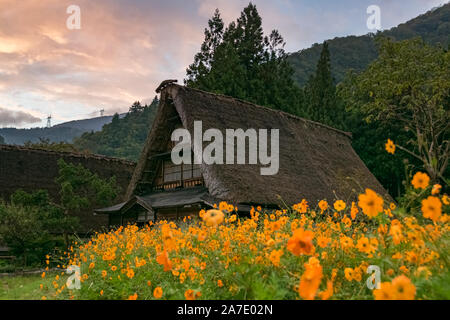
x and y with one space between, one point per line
370 203
420 180
363 245
219 283
390 146
445 199
301 207
275 256
301 242
436 189
349 273
158 292
310 280
323 205
432 208
130 273
385 292
133 297
346 242
353 211
213 217
325 295
403 289
189 294
339 205
322 241
163 259
396 233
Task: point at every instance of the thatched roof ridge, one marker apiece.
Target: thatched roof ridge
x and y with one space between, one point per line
66 154
289 115
316 161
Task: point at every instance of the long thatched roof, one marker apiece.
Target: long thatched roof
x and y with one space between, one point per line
316 161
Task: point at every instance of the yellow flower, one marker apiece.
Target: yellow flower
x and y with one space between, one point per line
339 205
420 180
390 146
370 203
432 208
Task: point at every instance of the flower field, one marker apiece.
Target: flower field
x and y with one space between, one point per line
307 251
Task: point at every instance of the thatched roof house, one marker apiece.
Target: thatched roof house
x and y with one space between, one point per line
315 161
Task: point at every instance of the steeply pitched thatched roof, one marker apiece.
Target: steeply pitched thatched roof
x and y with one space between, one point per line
316 161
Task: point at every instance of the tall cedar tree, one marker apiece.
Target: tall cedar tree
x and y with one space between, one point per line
320 94
241 62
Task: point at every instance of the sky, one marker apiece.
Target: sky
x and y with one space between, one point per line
123 49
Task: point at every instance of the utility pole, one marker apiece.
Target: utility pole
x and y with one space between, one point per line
49 121
102 112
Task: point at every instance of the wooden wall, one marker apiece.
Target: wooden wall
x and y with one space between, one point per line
33 169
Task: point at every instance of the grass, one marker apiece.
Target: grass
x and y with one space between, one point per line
23 287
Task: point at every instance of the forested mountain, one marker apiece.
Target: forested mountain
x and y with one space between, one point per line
63 132
53 134
356 52
123 137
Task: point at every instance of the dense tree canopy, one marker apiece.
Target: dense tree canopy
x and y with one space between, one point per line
240 61
408 87
122 138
